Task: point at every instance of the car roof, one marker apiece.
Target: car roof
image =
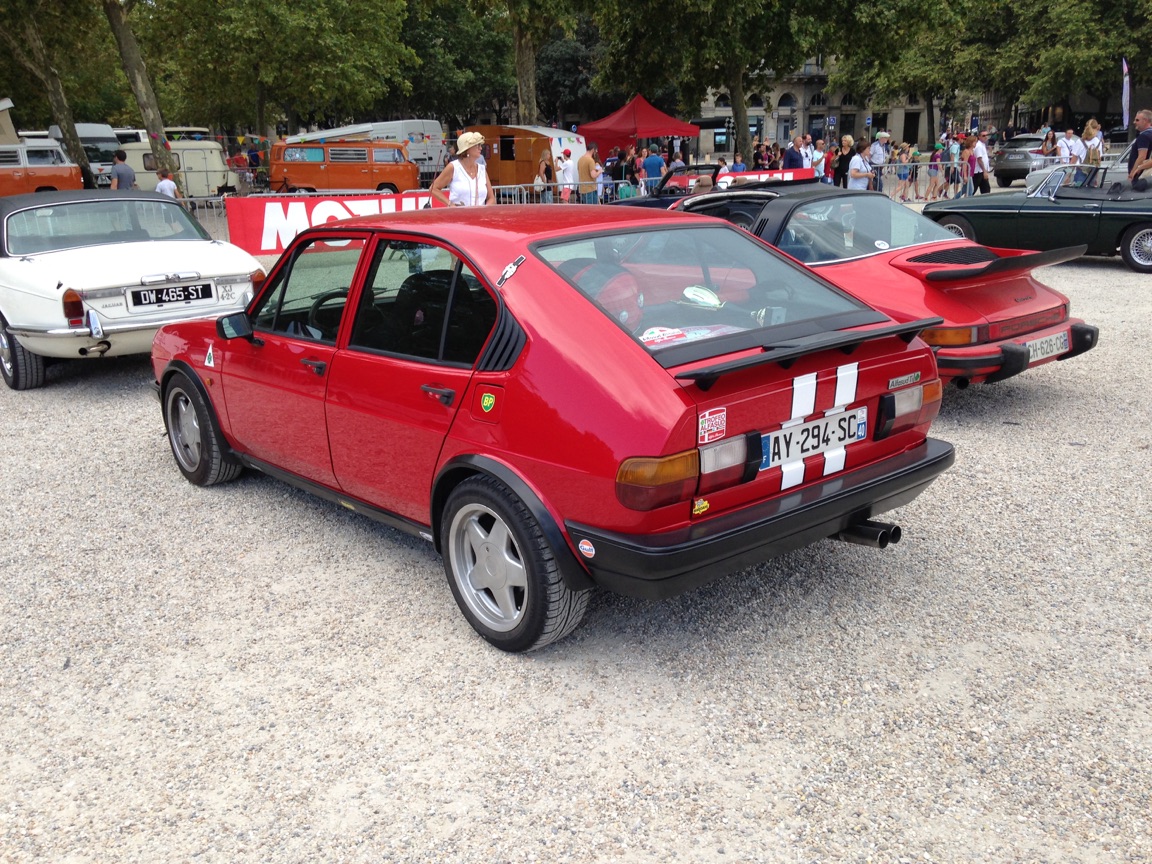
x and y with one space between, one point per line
773 190
512 222
12 203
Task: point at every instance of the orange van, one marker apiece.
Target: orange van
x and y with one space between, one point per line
332 166
37 166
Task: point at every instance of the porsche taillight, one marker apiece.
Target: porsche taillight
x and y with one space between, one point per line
73 308
950 337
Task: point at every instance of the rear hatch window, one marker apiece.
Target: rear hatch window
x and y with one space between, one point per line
692 292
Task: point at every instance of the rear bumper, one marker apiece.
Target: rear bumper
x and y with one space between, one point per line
663 565
991 363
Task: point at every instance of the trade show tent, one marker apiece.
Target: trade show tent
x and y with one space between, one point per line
637 119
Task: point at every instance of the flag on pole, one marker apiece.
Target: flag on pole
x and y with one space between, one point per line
1126 97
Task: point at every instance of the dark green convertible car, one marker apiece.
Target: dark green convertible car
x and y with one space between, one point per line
1075 204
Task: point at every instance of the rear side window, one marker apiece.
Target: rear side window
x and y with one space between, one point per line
45 156
348 154
387 155
9 157
676 286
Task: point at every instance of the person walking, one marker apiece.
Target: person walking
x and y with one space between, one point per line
653 169
983 164
464 182
860 173
793 158
123 177
878 157
166 186
841 161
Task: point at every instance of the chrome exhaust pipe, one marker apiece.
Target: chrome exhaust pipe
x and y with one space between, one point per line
868 533
98 350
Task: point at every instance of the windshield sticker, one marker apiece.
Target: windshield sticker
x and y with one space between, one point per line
509 271
661 335
881 244
713 425
209 359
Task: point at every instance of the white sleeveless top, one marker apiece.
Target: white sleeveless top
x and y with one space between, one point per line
466 190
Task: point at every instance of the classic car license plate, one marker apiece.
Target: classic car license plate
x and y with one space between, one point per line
171 294
813 437
1038 349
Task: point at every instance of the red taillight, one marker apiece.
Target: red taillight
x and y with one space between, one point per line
73 308
907 408
645 483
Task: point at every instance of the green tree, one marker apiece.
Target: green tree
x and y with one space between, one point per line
720 45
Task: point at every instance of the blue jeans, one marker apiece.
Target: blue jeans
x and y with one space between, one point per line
589 198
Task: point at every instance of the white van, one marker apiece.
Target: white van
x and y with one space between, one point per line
201 166
423 138
100 142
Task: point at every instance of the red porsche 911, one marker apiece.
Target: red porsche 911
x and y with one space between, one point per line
637 400
999 319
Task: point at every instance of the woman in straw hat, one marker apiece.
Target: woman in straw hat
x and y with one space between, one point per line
464 182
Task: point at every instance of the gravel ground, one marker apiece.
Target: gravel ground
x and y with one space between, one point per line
249 674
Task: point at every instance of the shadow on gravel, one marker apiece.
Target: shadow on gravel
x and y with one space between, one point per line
116 372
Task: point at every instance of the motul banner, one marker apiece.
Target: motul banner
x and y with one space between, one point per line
266 225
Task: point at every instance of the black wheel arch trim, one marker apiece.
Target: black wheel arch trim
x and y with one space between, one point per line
575 575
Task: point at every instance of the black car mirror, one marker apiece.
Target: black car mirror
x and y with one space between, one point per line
234 326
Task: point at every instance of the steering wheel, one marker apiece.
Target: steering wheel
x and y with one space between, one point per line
327 320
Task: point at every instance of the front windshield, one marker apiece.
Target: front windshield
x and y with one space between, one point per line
849 226
71 225
672 286
100 149
1070 177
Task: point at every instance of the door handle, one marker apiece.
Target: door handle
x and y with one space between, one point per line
444 394
318 366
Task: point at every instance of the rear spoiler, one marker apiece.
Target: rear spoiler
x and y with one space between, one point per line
1009 264
786 352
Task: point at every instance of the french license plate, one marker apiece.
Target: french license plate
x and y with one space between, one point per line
1016 156
1038 349
171 294
814 437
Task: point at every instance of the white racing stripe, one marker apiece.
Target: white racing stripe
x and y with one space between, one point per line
803 404
845 395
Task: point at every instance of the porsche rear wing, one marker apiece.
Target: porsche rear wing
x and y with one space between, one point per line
1008 264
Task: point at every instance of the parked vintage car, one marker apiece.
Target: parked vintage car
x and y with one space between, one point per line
999 320
638 400
92 273
1095 207
1117 160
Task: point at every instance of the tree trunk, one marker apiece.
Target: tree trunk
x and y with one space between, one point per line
37 63
525 73
133 63
739 113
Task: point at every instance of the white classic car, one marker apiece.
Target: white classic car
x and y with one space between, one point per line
94 273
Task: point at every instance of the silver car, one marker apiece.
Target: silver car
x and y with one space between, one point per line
1018 157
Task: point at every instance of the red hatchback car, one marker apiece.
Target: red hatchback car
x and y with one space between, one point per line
606 397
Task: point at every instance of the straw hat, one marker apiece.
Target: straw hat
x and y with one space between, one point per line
467 141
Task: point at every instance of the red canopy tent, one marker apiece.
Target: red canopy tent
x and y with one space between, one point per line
637 119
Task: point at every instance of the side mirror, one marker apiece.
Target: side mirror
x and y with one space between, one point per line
234 326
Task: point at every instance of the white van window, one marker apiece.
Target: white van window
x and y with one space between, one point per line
304 154
150 162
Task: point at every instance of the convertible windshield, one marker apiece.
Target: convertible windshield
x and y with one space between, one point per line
674 286
849 226
71 225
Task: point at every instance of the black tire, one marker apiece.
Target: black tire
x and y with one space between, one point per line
959 226
1003 182
1136 247
20 368
194 435
386 187
488 536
